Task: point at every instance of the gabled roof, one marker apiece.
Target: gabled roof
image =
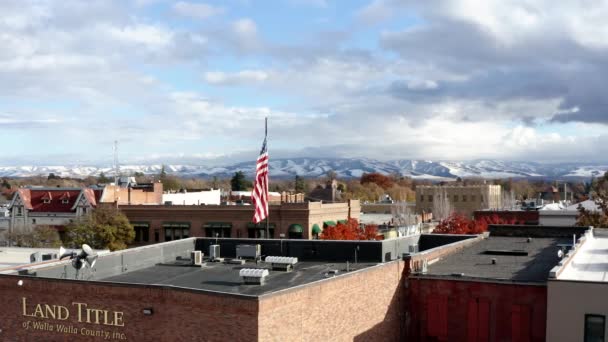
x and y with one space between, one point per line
59 199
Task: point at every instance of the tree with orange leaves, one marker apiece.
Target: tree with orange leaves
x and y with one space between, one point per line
349 230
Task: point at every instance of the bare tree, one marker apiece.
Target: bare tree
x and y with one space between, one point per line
442 208
402 214
508 200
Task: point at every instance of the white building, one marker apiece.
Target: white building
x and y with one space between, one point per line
558 214
207 197
577 304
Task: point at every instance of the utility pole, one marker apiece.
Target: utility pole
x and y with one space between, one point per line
115 150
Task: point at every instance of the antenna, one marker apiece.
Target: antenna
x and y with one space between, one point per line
116 167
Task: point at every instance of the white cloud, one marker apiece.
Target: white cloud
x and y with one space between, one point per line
197 10
244 77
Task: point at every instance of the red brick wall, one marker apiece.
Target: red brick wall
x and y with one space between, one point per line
179 315
362 306
463 310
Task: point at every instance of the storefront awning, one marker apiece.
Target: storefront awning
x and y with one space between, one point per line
296 228
221 225
176 225
329 223
316 229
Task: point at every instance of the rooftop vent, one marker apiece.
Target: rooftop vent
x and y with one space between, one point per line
513 252
280 263
254 276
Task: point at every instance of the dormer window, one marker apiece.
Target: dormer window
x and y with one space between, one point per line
65 201
46 201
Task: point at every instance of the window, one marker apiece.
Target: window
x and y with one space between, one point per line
19 211
176 230
46 201
65 201
430 198
258 231
142 231
455 198
218 229
421 198
33 221
472 198
464 198
595 328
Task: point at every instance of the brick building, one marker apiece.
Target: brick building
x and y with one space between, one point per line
492 290
464 199
337 291
305 220
418 288
131 193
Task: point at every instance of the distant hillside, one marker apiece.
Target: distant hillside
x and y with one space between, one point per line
346 168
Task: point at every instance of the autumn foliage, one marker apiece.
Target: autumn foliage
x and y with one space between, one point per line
379 179
350 231
458 224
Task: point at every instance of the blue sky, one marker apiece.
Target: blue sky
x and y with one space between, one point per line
191 81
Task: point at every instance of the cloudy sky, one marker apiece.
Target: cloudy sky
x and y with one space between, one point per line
191 81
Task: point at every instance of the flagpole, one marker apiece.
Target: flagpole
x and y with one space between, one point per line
267 192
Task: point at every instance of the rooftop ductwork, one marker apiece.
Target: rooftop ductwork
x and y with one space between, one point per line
254 276
280 263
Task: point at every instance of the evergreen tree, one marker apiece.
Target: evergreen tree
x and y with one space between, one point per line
300 185
238 182
103 179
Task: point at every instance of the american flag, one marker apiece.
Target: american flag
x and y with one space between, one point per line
259 194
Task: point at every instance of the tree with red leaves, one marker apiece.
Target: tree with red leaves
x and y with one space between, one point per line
379 179
350 230
458 224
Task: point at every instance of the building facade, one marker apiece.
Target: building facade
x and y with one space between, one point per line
306 220
54 207
577 302
463 199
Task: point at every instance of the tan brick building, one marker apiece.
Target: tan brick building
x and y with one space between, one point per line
464 199
305 220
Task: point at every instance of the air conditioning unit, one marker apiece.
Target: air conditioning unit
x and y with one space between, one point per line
413 248
214 252
196 257
35 257
248 252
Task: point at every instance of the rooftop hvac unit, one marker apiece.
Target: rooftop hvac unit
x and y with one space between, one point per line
254 276
248 251
196 257
280 263
35 257
413 248
214 252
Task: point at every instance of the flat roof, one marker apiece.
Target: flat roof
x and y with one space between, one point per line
590 263
517 260
225 278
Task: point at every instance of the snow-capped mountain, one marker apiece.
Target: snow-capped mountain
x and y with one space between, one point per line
354 167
